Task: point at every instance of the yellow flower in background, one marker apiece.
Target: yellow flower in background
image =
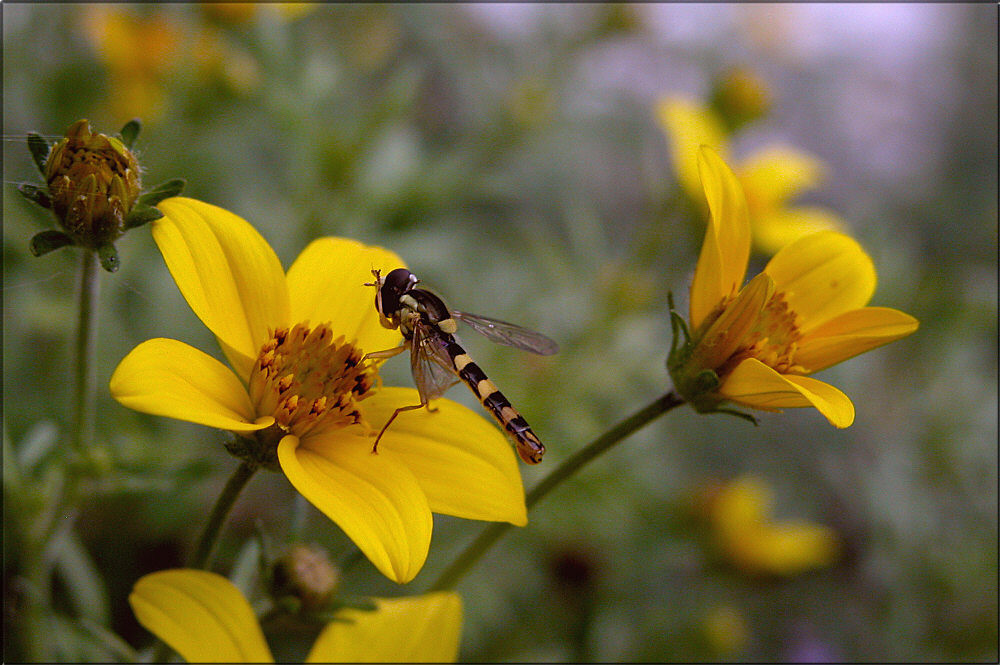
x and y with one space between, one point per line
206 619
806 311
139 52
300 399
771 177
740 514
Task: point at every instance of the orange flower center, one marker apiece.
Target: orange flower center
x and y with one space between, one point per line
773 339
310 381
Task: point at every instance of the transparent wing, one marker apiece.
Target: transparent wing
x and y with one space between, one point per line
430 364
509 334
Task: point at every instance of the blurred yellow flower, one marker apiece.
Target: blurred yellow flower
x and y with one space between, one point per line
300 399
806 311
740 516
771 177
138 52
244 12
206 619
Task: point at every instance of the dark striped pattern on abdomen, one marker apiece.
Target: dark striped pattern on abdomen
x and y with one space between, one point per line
528 446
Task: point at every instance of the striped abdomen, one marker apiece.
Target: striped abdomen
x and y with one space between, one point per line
528 446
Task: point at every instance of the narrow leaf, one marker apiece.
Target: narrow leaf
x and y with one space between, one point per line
164 190
108 256
39 148
35 194
140 215
82 580
130 131
46 241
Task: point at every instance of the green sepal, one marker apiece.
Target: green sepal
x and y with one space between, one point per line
162 191
46 241
108 256
39 148
130 132
35 194
738 414
140 215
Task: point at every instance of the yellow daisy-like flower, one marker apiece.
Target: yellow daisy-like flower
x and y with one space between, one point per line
206 619
771 177
300 397
741 518
806 311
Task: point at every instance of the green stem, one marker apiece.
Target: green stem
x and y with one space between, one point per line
244 472
223 504
85 349
460 566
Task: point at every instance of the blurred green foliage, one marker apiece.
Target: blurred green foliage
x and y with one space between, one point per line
510 154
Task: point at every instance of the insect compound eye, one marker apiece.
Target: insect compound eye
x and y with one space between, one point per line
396 283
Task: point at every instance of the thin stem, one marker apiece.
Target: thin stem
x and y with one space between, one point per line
85 376
460 566
220 510
244 472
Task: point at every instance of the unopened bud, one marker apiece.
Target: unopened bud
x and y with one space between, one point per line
306 574
93 182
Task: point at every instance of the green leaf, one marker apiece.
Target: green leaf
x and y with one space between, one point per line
130 132
109 640
140 215
162 191
36 444
39 148
83 581
35 194
46 241
108 256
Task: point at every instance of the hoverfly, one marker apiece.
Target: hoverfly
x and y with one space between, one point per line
438 361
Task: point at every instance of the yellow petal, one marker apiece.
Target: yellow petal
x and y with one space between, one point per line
822 276
754 384
728 332
327 283
422 629
852 333
726 250
226 271
775 174
689 125
201 615
773 229
373 498
165 377
465 465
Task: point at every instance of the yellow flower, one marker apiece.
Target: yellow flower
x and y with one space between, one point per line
771 177
139 53
300 399
740 515
806 311
206 619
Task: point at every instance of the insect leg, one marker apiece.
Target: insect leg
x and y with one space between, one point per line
393 417
388 353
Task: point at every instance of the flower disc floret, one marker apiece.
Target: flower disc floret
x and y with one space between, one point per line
310 381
